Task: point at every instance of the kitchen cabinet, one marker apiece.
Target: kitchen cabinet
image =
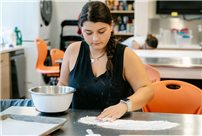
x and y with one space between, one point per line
5 76
12 72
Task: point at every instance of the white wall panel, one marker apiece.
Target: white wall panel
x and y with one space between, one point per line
64 10
141 17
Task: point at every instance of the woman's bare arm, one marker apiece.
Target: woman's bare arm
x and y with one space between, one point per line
136 45
68 63
134 72
136 75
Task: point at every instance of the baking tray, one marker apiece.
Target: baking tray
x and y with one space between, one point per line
15 120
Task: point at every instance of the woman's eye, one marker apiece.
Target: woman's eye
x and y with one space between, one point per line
88 33
101 32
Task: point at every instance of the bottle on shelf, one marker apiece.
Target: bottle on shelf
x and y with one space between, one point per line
13 39
133 5
132 26
119 19
111 5
116 3
130 6
116 28
107 3
125 5
18 36
128 28
121 6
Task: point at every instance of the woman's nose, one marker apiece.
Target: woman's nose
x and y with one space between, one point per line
95 37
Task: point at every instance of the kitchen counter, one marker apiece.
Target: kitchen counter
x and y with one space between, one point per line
184 47
168 53
174 64
9 49
189 124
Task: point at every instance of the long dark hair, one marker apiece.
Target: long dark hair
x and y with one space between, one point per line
97 11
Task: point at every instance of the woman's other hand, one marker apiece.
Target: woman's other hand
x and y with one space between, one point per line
113 112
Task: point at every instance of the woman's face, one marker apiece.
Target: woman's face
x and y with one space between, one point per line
97 34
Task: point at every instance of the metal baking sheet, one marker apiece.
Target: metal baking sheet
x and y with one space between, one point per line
29 125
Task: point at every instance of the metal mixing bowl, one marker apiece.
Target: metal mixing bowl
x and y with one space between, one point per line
52 99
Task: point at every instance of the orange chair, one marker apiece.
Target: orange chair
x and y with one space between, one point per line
173 96
56 54
50 71
153 73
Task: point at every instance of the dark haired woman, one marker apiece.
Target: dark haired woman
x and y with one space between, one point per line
149 42
102 70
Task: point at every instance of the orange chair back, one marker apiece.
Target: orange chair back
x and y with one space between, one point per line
153 73
185 100
42 54
56 54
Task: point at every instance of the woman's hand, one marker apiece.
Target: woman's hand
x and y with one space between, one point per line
113 112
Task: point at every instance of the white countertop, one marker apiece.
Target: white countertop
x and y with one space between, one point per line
168 53
9 49
194 46
174 72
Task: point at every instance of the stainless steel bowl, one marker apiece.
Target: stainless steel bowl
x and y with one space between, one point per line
52 99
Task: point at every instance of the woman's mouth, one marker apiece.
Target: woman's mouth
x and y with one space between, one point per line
96 43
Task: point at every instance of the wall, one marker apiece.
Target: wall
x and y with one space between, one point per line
64 10
177 23
167 22
147 21
141 17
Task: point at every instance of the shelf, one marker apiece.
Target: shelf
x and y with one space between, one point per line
122 11
124 34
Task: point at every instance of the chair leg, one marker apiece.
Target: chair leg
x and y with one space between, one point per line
53 81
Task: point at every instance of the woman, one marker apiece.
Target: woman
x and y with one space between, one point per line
140 43
103 71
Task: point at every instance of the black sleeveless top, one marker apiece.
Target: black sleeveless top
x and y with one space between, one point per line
98 92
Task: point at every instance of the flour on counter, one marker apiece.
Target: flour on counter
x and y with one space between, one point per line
121 124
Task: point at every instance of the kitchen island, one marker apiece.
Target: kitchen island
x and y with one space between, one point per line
189 124
179 47
175 64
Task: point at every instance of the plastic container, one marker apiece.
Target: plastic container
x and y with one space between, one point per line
182 40
13 38
8 38
18 36
166 37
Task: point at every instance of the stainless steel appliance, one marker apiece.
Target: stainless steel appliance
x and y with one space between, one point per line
17 61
